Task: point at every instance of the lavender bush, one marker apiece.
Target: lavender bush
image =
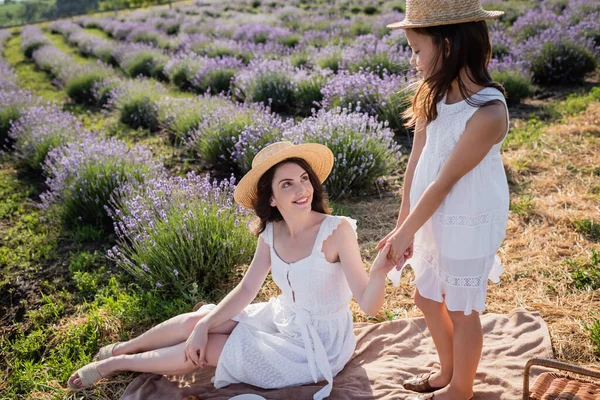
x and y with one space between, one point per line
41 129
372 54
136 102
229 137
385 97
32 39
266 81
363 148
216 74
82 175
12 104
183 235
179 116
138 59
559 56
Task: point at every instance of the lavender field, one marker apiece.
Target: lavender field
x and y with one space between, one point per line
123 137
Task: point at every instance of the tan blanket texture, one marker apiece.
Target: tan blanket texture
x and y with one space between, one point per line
386 354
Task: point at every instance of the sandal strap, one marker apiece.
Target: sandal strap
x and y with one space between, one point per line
105 352
419 383
88 375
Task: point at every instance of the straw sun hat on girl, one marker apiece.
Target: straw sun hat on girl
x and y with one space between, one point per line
424 13
318 156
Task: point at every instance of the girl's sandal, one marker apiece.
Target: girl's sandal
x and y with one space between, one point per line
88 375
106 352
420 384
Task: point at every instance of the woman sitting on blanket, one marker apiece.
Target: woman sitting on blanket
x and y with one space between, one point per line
305 335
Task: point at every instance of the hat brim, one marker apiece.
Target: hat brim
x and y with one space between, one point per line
407 24
319 157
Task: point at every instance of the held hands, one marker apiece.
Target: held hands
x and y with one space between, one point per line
401 247
195 345
383 264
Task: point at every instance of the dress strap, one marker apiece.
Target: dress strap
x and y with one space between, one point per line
329 226
490 94
267 234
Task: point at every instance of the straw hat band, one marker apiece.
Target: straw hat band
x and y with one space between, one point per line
423 13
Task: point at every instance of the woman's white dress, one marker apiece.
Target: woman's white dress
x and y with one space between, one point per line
455 250
304 335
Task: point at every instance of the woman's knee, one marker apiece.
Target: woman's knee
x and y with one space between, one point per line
191 319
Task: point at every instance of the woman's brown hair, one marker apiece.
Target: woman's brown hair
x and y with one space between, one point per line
469 49
262 203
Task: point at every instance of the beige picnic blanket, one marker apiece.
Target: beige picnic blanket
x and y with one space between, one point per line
387 353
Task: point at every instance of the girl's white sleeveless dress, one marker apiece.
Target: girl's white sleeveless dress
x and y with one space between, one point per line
455 250
304 335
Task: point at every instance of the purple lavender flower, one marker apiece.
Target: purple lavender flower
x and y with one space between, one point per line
158 240
82 175
41 129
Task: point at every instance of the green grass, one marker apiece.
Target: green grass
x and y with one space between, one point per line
28 242
594 330
64 300
589 228
577 102
554 112
29 76
527 133
525 205
586 275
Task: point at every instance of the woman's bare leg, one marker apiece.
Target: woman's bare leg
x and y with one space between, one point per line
169 333
163 361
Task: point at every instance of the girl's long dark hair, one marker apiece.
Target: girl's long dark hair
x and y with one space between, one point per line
262 203
470 49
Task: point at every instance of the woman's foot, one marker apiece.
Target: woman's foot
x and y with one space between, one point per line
90 374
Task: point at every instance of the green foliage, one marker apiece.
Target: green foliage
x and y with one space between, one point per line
307 93
517 84
80 87
586 275
528 133
562 63
589 228
594 331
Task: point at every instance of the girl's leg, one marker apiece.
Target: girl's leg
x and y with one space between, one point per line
169 333
167 361
468 342
440 325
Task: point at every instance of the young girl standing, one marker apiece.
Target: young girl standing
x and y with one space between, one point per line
455 205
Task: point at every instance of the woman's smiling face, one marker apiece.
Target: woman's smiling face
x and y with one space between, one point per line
292 190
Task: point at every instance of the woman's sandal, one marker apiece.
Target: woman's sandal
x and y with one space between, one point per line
420 384
88 375
106 352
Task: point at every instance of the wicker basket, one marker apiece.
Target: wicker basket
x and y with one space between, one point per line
559 386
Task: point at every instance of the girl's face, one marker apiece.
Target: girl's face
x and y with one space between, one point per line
292 190
424 55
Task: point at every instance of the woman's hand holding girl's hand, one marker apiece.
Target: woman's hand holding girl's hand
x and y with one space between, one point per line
195 345
382 263
401 248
